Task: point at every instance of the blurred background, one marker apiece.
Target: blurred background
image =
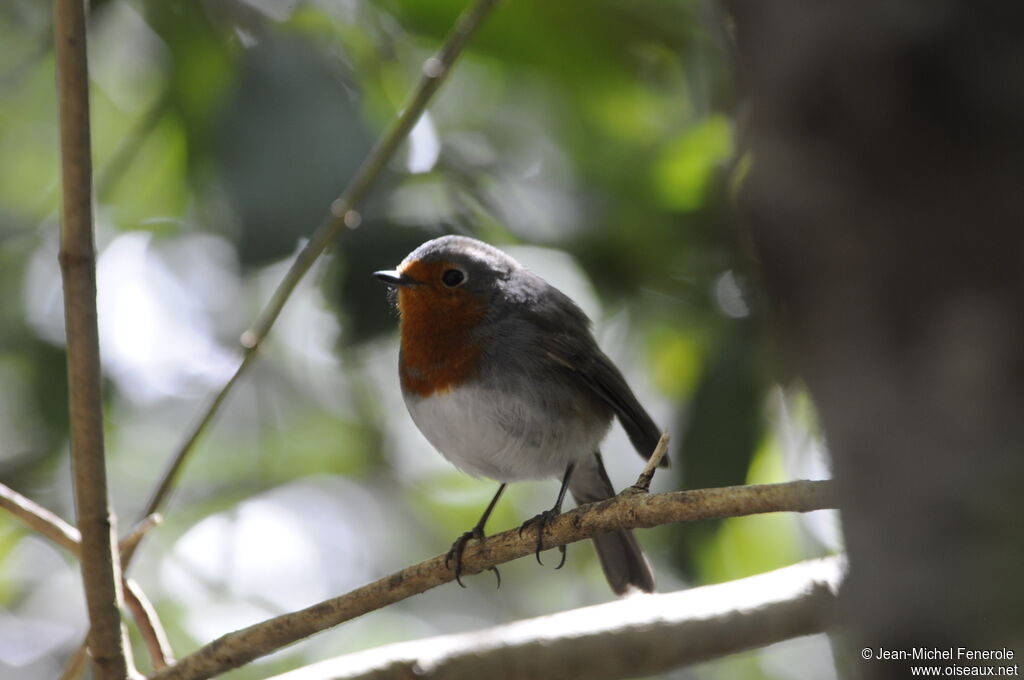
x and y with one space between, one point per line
598 142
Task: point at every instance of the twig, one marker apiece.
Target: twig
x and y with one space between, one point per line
434 71
643 482
150 629
146 618
625 511
342 214
39 518
170 475
131 541
100 563
627 638
75 665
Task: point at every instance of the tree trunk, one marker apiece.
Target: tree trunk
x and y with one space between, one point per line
886 206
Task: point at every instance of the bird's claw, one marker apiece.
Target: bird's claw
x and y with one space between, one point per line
459 546
497 575
541 521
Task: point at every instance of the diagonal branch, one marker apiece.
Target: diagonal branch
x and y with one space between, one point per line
626 638
144 613
75 665
100 562
41 519
631 509
342 214
643 482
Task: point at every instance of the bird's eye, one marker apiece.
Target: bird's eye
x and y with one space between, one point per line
452 277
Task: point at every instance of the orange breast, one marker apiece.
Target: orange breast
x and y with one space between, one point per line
436 325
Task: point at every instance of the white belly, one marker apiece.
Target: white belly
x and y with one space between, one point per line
522 439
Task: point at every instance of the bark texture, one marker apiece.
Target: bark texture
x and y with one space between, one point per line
100 564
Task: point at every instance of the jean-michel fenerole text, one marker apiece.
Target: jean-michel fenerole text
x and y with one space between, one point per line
944 654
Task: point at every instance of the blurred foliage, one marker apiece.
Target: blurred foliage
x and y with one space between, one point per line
222 132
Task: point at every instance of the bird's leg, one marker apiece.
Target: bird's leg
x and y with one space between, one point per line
543 518
476 532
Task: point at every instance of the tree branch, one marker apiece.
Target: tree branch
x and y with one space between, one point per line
634 636
631 509
100 563
342 214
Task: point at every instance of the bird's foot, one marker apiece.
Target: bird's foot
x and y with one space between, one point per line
459 546
541 521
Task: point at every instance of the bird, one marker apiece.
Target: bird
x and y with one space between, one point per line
501 373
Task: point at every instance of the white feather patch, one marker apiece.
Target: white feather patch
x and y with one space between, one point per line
517 440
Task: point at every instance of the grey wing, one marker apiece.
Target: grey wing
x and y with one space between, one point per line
600 375
568 340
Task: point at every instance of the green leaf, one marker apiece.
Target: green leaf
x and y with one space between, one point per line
683 173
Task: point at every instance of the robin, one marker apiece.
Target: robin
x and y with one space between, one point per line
501 373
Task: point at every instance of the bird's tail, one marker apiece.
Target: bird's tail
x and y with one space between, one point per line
624 563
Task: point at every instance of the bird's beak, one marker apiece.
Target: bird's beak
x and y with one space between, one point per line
395 278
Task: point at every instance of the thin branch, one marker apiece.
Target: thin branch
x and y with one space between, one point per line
643 483
152 632
131 540
170 475
634 636
75 665
39 518
342 214
629 510
100 562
